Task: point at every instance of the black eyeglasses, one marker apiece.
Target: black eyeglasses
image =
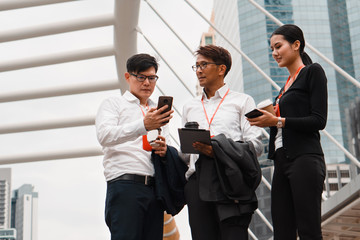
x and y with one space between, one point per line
202 65
142 78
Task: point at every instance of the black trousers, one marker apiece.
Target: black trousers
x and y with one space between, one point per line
296 196
132 212
204 221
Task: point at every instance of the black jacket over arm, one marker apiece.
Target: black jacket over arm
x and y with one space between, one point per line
170 180
231 178
304 106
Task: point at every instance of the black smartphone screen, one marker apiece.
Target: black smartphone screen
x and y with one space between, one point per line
253 114
165 100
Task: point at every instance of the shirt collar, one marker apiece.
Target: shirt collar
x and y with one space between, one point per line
219 93
132 98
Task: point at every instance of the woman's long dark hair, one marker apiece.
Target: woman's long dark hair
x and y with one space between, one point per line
292 33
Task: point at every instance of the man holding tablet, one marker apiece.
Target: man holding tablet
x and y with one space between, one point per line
222 112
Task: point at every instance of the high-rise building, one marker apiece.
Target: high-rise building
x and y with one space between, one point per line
337 176
8 234
329 25
24 214
225 18
352 114
5 197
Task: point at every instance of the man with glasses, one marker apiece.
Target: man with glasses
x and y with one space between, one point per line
123 124
212 215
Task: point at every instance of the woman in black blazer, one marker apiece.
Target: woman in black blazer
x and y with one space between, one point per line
301 111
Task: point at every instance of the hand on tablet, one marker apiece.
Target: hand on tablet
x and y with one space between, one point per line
204 149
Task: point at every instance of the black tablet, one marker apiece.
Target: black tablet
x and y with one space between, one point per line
190 135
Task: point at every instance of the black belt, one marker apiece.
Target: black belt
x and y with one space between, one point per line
147 180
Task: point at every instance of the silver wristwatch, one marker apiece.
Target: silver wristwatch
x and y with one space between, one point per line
279 124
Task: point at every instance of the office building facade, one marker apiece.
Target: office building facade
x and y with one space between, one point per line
5 197
337 176
8 234
352 114
225 18
24 215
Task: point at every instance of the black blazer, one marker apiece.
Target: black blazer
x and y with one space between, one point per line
229 180
170 180
304 105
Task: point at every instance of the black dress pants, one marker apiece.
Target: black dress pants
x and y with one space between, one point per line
204 221
296 196
132 211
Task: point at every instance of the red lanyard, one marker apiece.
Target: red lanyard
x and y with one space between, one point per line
146 144
212 118
147 108
289 82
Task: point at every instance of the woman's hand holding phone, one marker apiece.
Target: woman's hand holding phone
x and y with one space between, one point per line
253 114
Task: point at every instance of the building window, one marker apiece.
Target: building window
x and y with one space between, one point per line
332 174
344 174
333 187
208 40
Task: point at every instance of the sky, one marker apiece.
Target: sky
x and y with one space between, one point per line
72 191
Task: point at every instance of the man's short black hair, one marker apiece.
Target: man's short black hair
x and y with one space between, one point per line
216 53
141 62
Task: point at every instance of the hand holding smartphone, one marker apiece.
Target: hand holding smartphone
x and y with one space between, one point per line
165 100
253 114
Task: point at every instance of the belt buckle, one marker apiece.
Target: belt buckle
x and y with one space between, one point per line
146 180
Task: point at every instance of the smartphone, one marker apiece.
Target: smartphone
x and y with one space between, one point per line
165 100
253 114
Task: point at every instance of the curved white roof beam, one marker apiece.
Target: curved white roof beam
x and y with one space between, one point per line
16 4
126 15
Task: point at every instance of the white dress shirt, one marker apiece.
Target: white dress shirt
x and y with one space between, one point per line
229 119
119 128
